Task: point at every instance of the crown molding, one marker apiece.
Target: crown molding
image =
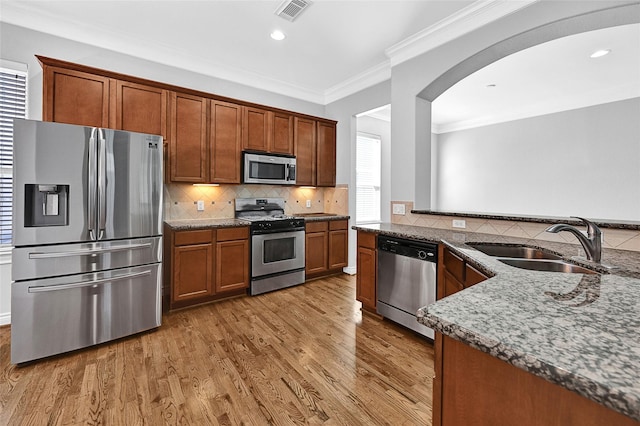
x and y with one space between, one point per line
466 20
558 105
368 78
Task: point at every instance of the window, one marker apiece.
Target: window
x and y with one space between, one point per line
13 104
367 178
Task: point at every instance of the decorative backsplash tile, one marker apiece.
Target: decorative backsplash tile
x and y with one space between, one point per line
622 239
180 199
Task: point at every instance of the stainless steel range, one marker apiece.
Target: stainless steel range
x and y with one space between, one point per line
277 244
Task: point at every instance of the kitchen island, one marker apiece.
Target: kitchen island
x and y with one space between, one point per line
578 332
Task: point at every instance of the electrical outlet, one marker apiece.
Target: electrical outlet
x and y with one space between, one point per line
398 209
308 204
459 223
200 205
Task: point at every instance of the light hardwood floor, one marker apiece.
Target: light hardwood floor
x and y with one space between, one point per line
304 355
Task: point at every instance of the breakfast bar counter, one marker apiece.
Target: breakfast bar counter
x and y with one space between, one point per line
579 331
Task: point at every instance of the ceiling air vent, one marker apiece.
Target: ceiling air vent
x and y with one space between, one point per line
291 9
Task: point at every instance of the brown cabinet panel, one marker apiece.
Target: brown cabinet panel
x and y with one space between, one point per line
478 388
326 152
450 284
255 129
366 277
232 266
141 108
320 226
282 133
338 248
316 252
192 271
473 276
75 97
188 142
454 264
193 237
226 142
305 151
228 234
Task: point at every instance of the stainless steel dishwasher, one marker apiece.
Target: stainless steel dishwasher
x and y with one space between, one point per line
406 280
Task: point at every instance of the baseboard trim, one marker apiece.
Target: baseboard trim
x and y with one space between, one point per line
5 318
351 270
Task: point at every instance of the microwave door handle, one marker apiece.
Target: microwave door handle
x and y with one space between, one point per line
91 179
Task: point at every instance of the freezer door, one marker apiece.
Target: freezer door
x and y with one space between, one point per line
51 186
57 315
35 262
129 185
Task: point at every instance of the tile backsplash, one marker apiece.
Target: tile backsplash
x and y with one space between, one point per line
180 199
623 239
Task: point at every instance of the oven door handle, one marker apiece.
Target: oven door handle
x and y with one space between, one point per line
276 231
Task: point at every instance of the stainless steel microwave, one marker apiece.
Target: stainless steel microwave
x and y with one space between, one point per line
269 168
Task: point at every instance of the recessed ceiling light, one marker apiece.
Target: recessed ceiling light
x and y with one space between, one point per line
600 53
277 35
490 86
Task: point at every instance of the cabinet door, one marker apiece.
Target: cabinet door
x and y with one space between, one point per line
141 108
192 271
225 142
232 265
255 129
282 141
450 283
326 167
188 142
316 248
338 244
75 97
305 151
366 277
473 276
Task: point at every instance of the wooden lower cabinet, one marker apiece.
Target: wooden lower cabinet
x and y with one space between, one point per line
367 270
205 264
454 273
326 247
476 388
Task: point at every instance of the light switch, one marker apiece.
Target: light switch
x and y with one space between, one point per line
308 204
200 205
459 223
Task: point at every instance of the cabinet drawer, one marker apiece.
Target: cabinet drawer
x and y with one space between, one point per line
367 239
200 236
454 264
335 225
230 234
316 226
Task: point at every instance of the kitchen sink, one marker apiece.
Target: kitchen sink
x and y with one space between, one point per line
514 251
546 265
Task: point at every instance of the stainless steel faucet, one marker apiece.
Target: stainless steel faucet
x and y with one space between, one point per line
592 243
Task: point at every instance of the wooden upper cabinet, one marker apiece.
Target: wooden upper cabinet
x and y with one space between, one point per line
225 142
326 167
141 108
305 151
282 141
75 97
188 142
255 129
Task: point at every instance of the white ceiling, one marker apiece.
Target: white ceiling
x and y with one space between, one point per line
336 48
332 49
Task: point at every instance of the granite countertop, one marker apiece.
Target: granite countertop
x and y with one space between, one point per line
579 331
187 224
321 217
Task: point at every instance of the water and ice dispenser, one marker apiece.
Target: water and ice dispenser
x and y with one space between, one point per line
46 205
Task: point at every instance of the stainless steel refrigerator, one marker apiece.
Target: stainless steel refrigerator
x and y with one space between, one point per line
87 229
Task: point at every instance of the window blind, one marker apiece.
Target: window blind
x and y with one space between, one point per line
367 178
13 104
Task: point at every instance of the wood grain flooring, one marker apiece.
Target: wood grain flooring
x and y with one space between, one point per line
304 355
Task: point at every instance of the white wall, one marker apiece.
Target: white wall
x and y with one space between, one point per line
578 162
381 128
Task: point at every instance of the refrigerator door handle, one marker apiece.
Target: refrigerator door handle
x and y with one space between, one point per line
85 252
91 170
47 288
102 184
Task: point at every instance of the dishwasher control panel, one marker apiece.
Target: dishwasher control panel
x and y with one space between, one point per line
409 248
